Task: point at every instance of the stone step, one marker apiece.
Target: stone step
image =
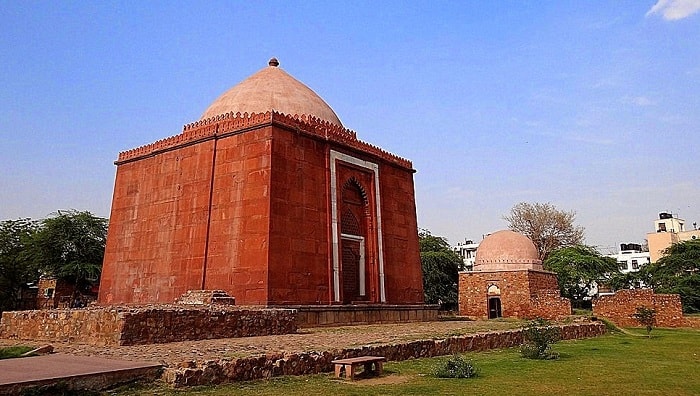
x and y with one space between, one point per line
206 297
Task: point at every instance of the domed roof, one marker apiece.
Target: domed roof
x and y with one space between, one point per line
272 89
506 250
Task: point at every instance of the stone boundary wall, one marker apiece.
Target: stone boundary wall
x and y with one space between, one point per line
145 325
231 370
620 307
349 315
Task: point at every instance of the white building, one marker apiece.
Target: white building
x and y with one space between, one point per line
467 251
631 257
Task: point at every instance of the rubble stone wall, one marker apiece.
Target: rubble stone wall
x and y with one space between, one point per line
620 307
145 325
272 365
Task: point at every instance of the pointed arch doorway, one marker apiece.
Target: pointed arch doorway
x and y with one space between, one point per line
357 261
353 234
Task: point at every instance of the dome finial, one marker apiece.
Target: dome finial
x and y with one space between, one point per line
273 62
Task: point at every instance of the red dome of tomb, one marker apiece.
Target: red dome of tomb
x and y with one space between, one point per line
507 251
272 89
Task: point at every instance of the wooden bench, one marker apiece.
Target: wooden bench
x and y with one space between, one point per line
349 365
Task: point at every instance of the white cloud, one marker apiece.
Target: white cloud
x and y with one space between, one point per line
641 101
672 10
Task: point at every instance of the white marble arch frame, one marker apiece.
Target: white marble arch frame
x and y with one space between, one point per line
336 157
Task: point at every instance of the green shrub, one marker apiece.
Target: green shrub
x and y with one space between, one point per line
457 367
646 317
538 335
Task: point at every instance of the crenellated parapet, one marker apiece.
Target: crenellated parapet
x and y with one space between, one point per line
234 122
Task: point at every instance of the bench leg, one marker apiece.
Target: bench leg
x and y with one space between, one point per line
338 369
350 372
376 370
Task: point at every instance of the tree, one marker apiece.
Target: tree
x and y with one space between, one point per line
579 268
70 245
547 227
677 272
440 270
646 317
16 266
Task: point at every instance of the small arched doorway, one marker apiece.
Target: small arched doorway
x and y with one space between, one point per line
494 301
353 236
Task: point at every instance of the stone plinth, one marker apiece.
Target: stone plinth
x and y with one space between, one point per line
145 325
345 315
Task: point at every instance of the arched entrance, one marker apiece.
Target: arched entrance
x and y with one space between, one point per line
494 302
353 236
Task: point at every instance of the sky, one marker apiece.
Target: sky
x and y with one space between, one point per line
591 106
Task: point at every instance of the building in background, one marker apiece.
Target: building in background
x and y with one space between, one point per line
467 251
508 281
668 229
631 257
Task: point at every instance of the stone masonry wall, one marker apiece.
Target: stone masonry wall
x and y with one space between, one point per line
145 325
620 307
232 370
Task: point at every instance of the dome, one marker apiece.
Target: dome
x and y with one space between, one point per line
506 251
272 89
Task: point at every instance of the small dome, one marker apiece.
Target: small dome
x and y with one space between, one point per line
272 89
507 251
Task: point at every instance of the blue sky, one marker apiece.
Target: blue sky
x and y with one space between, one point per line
592 106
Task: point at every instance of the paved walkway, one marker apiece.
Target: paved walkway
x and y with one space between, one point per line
81 372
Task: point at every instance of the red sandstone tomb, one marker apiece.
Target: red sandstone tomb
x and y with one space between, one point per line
268 198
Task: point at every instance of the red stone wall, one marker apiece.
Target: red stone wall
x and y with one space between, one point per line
402 268
299 224
239 240
620 307
158 227
524 294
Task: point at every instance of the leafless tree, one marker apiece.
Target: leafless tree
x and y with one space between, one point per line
547 227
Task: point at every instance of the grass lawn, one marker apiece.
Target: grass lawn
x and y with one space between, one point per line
14 351
616 364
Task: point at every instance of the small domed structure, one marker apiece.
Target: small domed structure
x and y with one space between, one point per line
272 89
507 250
508 280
